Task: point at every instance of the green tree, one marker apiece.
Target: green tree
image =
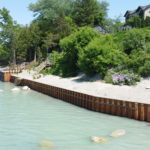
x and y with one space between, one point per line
64 26
8 32
4 56
89 12
6 26
51 9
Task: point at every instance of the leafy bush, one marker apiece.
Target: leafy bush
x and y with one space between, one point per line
140 62
73 44
100 55
145 69
134 39
124 77
55 60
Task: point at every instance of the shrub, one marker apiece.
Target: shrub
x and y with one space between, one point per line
73 44
124 77
140 62
145 69
134 39
55 60
100 55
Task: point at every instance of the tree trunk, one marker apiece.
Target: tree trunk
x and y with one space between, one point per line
35 56
14 58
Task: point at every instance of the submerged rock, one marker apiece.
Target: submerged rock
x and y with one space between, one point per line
118 133
18 81
26 88
46 144
97 139
15 89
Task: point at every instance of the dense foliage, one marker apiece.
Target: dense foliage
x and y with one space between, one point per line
54 20
101 54
71 47
138 22
89 12
127 52
121 77
64 31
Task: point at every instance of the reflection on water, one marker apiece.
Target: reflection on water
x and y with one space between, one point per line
30 121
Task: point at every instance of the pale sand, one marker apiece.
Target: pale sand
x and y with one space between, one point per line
138 93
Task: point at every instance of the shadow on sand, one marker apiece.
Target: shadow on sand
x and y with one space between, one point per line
84 78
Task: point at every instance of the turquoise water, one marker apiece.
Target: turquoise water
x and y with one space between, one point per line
27 118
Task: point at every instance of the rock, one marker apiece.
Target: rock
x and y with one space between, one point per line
15 89
118 133
25 88
18 81
97 139
147 88
46 144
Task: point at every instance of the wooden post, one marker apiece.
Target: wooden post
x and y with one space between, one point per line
66 95
148 113
82 100
107 106
113 107
136 111
93 103
99 100
118 112
103 105
142 112
90 103
97 104
79 99
130 110
124 109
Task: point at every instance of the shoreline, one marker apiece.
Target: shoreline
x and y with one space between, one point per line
122 108
139 93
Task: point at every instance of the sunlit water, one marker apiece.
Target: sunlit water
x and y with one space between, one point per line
27 118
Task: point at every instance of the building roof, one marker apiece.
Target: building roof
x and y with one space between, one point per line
145 7
100 29
135 11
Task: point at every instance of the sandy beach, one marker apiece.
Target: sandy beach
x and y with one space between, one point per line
96 87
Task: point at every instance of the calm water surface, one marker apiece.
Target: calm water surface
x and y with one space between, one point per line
27 118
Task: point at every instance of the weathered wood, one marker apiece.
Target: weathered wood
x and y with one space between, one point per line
148 113
142 112
136 111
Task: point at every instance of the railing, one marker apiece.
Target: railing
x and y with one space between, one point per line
18 68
